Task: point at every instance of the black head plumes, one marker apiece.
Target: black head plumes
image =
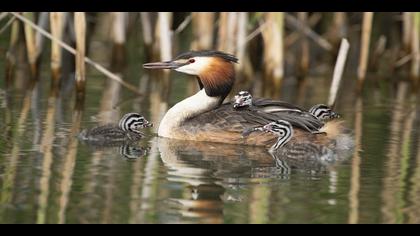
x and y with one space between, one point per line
207 53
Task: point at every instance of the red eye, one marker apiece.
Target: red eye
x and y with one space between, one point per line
191 60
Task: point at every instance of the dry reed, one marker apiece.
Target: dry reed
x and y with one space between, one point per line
415 48
227 31
338 29
119 23
273 48
364 48
30 42
57 22
146 24
304 53
407 29
80 29
338 71
163 33
202 24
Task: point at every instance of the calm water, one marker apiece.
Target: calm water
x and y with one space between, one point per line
48 176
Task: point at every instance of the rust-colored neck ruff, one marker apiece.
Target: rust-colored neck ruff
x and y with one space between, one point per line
218 78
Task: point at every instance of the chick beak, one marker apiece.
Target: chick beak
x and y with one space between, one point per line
267 128
148 124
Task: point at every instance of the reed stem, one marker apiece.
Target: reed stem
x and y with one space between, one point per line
30 42
338 71
57 20
202 24
43 20
338 29
119 23
407 28
415 48
119 38
164 33
378 52
146 24
241 39
227 31
304 62
80 29
364 48
273 48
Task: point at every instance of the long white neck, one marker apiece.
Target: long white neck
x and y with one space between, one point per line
187 108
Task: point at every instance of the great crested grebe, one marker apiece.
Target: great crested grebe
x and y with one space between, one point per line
127 130
203 117
321 111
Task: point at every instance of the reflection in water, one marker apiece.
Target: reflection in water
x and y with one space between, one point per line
46 150
205 167
312 157
355 166
398 197
68 167
201 166
130 151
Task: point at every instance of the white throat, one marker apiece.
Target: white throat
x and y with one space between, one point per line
187 108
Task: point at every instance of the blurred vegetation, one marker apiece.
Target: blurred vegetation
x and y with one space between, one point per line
270 46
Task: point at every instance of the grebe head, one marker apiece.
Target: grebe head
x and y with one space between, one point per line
323 112
281 128
214 70
242 99
133 122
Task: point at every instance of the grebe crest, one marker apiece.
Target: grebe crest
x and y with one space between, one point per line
133 122
323 113
242 99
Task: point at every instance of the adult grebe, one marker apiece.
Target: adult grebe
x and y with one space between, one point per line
203 117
